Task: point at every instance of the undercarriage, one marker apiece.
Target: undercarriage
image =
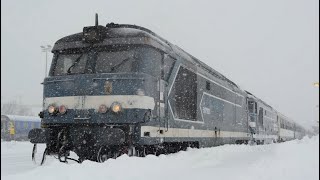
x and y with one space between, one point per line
96 143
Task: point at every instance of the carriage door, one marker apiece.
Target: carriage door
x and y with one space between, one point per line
260 119
252 116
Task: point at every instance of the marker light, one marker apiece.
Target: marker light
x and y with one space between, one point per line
62 109
116 107
51 109
102 108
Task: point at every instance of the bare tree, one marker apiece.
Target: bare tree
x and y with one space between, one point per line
13 108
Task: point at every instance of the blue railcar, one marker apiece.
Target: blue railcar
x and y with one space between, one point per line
18 125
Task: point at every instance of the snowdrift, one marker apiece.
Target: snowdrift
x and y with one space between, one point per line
294 160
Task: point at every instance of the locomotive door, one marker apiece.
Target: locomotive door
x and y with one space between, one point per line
167 64
163 97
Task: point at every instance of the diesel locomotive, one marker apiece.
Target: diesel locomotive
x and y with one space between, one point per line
122 89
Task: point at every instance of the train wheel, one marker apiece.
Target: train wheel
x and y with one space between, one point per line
252 142
142 152
132 151
102 154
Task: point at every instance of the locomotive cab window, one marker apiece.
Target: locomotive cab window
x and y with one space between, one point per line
130 59
133 59
70 64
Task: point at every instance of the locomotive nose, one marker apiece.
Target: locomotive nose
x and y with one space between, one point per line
102 98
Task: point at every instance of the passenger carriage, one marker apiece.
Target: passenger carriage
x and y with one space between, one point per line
17 126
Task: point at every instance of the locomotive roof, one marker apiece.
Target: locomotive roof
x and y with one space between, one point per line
113 30
133 31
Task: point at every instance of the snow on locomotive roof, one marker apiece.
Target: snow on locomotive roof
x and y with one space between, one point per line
23 118
135 30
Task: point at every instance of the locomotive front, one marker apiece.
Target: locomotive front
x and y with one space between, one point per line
102 84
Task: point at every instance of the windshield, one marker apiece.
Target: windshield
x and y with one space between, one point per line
140 59
70 64
113 62
109 60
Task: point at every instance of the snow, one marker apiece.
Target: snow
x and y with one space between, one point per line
293 160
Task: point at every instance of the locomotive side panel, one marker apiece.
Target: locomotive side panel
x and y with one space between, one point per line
214 115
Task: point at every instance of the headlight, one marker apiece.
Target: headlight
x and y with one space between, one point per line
62 109
51 109
102 108
116 107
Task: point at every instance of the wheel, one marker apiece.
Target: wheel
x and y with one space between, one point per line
102 154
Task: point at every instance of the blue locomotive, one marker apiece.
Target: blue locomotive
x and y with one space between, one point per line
121 88
14 127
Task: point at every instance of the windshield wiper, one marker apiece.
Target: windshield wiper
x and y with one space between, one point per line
75 62
118 65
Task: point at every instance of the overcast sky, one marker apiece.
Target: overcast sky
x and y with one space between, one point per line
268 47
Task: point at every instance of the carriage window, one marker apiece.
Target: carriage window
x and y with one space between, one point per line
260 118
186 94
255 107
208 85
70 64
26 125
11 124
251 106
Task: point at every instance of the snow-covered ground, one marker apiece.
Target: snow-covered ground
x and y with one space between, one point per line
294 160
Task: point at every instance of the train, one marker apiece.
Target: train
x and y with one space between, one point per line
15 127
122 89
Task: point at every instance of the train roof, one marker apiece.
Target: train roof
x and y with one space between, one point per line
117 33
249 94
23 118
285 118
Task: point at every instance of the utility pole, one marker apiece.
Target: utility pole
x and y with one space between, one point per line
316 84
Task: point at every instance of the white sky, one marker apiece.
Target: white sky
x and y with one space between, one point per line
270 47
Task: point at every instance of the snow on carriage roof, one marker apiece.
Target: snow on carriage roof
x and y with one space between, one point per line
23 118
